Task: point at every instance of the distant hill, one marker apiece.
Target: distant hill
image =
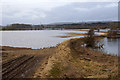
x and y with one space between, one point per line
21 27
82 25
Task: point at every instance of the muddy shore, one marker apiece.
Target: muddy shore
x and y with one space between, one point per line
23 58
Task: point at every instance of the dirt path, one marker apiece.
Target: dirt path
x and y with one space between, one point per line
23 62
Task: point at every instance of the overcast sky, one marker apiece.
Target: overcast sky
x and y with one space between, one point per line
55 11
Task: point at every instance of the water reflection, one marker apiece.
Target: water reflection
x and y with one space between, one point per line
110 46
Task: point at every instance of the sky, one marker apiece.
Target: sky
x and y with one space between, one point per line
57 11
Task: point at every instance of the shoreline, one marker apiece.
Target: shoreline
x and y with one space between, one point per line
68 54
27 48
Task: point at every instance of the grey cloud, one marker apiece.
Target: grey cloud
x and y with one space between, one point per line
69 14
74 12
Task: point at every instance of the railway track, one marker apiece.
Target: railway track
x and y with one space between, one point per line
20 67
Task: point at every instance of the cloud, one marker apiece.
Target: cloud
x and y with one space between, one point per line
112 5
85 12
36 1
42 15
95 5
53 11
81 9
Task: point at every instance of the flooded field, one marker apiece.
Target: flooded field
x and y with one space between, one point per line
111 46
47 38
34 39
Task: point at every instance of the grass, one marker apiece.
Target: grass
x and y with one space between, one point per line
56 70
76 34
83 65
95 31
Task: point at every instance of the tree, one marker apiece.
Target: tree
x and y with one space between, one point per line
89 40
112 33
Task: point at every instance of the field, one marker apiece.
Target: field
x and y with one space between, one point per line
22 62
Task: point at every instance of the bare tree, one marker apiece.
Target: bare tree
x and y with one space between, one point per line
90 39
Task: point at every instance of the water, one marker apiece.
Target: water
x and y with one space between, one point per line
111 46
34 39
37 39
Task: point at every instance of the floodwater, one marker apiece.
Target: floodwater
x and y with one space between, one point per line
37 39
111 46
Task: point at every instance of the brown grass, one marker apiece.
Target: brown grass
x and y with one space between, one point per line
77 34
95 31
83 34
65 36
81 62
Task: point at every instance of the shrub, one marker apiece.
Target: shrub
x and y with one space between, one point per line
89 40
112 33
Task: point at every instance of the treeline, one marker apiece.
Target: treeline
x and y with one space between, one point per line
22 27
95 25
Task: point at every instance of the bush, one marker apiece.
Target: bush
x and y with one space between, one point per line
89 40
112 33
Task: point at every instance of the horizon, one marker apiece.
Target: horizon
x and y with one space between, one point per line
60 23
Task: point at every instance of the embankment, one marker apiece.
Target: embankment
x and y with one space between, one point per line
73 61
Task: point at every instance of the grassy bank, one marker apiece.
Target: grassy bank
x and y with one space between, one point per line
73 61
